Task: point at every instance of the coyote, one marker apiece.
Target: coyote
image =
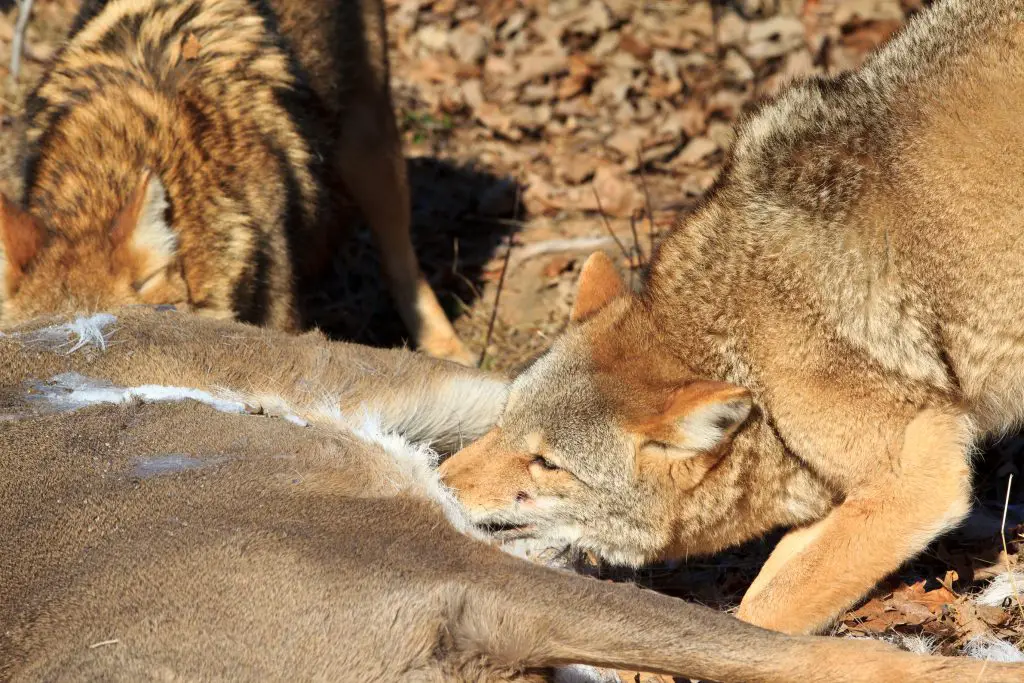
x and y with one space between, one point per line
816 348
194 499
194 153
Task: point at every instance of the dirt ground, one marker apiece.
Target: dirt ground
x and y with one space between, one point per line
555 127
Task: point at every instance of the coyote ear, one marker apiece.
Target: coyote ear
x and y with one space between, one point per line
142 226
707 413
21 238
599 284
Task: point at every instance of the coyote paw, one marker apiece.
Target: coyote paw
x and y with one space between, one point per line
450 349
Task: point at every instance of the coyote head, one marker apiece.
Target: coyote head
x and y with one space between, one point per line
132 260
610 443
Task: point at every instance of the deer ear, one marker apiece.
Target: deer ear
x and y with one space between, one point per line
599 284
142 226
706 414
21 238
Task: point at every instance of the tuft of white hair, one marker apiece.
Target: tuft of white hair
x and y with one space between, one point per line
1001 589
919 644
72 391
81 332
417 464
991 649
457 411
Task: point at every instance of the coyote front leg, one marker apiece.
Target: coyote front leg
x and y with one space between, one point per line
819 571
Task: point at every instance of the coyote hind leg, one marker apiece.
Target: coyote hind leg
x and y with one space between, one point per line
373 170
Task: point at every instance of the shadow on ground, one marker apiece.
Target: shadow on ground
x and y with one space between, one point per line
461 216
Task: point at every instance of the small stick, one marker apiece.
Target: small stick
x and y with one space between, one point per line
17 44
636 242
647 200
608 226
526 252
1002 532
501 286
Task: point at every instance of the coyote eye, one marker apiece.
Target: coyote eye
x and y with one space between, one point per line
545 463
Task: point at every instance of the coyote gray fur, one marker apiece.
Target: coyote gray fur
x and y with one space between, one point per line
816 348
193 499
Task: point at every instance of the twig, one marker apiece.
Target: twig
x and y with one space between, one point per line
1002 532
636 242
608 226
647 201
501 287
534 249
497 300
18 42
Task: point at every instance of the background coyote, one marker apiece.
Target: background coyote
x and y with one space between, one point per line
193 153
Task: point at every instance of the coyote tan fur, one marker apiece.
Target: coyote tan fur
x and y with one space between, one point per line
192 499
194 152
817 347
